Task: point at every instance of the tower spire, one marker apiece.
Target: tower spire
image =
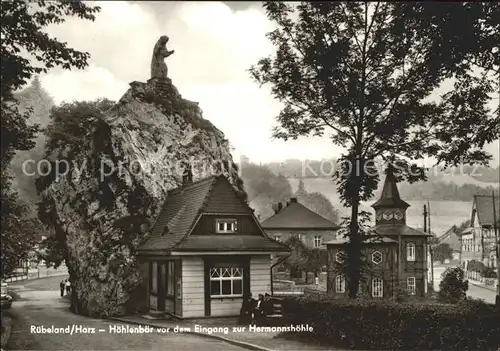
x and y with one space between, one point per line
390 197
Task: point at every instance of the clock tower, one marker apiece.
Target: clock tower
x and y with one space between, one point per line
390 208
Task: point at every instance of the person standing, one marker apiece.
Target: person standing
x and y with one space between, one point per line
61 286
68 287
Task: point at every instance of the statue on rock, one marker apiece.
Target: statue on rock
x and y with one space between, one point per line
160 53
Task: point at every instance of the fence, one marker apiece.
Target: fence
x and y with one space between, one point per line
41 271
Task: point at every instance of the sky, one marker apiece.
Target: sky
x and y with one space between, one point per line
215 44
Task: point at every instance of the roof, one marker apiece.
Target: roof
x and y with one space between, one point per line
183 207
467 231
256 243
297 216
397 229
484 209
390 194
451 238
369 240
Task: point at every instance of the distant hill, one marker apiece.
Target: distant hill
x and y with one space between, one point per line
38 99
458 184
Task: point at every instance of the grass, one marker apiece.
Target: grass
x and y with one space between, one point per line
6 328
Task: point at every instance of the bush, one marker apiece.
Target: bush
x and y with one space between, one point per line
453 286
488 272
389 325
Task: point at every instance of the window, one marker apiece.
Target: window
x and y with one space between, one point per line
410 252
277 238
340 284
317 241
376 257
226 281
377 287
339 257
411 285
225 225
154 278
170 278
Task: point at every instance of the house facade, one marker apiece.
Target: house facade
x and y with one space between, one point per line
294 219
396 254
205 252
478 241
453 240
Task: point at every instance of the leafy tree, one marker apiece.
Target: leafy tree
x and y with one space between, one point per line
453 287
318 203
66 134
264 188
315 260
23 32
365 72
301 188
297 260
465 224
442 252
26 49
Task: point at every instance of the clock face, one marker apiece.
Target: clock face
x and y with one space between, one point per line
398 215
387 215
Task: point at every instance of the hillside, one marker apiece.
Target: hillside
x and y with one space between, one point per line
444 214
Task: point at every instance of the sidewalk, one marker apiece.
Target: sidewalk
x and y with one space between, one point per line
480 285
262 341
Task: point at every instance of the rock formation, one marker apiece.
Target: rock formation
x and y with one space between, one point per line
102 209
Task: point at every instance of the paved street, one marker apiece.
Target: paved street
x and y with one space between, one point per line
41 305
476 292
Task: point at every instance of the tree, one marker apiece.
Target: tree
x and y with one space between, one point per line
318 203
35 99
301 189
453 287
264 188
316 259
23 34
442 252
297 260
365 72
67 133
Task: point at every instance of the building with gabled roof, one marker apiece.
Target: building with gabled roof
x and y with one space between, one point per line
396 254
205 252
295 219
478 246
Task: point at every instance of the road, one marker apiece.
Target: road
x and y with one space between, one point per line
476 292
39 304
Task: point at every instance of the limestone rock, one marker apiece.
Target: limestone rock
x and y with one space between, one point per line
102 210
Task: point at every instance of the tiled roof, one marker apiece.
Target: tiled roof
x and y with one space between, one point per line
390 194
484 208
297 216
369 240
230 243
397 229
181 208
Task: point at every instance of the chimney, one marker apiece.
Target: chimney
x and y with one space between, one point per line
293 200
187 176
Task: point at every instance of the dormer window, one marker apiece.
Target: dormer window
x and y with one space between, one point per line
225 225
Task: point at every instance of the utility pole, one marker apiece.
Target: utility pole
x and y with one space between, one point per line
497 247
430 246
425 218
